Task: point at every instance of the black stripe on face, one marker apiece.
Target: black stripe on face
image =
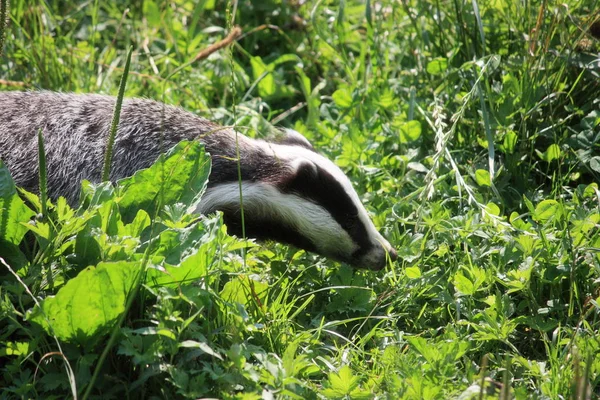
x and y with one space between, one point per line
314 183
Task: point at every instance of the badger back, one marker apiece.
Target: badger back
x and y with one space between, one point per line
75 130
290 193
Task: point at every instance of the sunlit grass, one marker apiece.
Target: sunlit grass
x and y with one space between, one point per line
471 131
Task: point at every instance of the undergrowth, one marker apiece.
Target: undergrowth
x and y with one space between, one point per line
471 129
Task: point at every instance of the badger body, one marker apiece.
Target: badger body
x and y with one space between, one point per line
290 193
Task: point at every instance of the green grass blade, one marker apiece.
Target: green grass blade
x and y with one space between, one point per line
479 26
115 121
43 173
3 22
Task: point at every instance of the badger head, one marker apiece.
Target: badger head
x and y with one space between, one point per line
292 194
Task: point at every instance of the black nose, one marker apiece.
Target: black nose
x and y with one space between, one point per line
393 254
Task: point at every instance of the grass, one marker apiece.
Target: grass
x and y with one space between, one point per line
471 131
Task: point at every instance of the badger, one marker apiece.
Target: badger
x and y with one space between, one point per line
290 193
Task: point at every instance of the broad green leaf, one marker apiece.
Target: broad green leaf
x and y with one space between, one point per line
591 190
137 226
264 74
410 131
12 255
13 211
87 248
421 345
312 97
342 97
527 243
518 279
529 204
180 175
202 346
176 244
541 323
437 66
591 120
493 209
518 222
510 141
204 242
266 85
595 163
412 272
15 349
245 290
387 99
152 13
342 383
463 284
482 177
89 304
553 152
93 195
546 210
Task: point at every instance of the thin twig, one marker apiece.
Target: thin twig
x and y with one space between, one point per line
236 31
4 82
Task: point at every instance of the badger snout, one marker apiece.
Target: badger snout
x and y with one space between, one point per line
376 257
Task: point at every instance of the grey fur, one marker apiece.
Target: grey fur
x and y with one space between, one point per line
75 128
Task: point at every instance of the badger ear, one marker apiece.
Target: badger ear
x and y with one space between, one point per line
293 138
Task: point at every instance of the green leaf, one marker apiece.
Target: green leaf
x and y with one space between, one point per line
152 13
343 382
15 349
180 175
595 163
89 304
264 75
13 211
137 226
245 290
517 221
463 284
510 141
204 244
482 177
12 255
343 97
87 249
426 349
590 190
546 210
410 131
93 195
202 346
412 272
437 66
368 13
492 209
529 204
553 152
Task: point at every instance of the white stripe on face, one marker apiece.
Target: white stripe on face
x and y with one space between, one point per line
295 155
264 201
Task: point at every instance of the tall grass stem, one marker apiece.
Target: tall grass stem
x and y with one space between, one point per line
115 120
